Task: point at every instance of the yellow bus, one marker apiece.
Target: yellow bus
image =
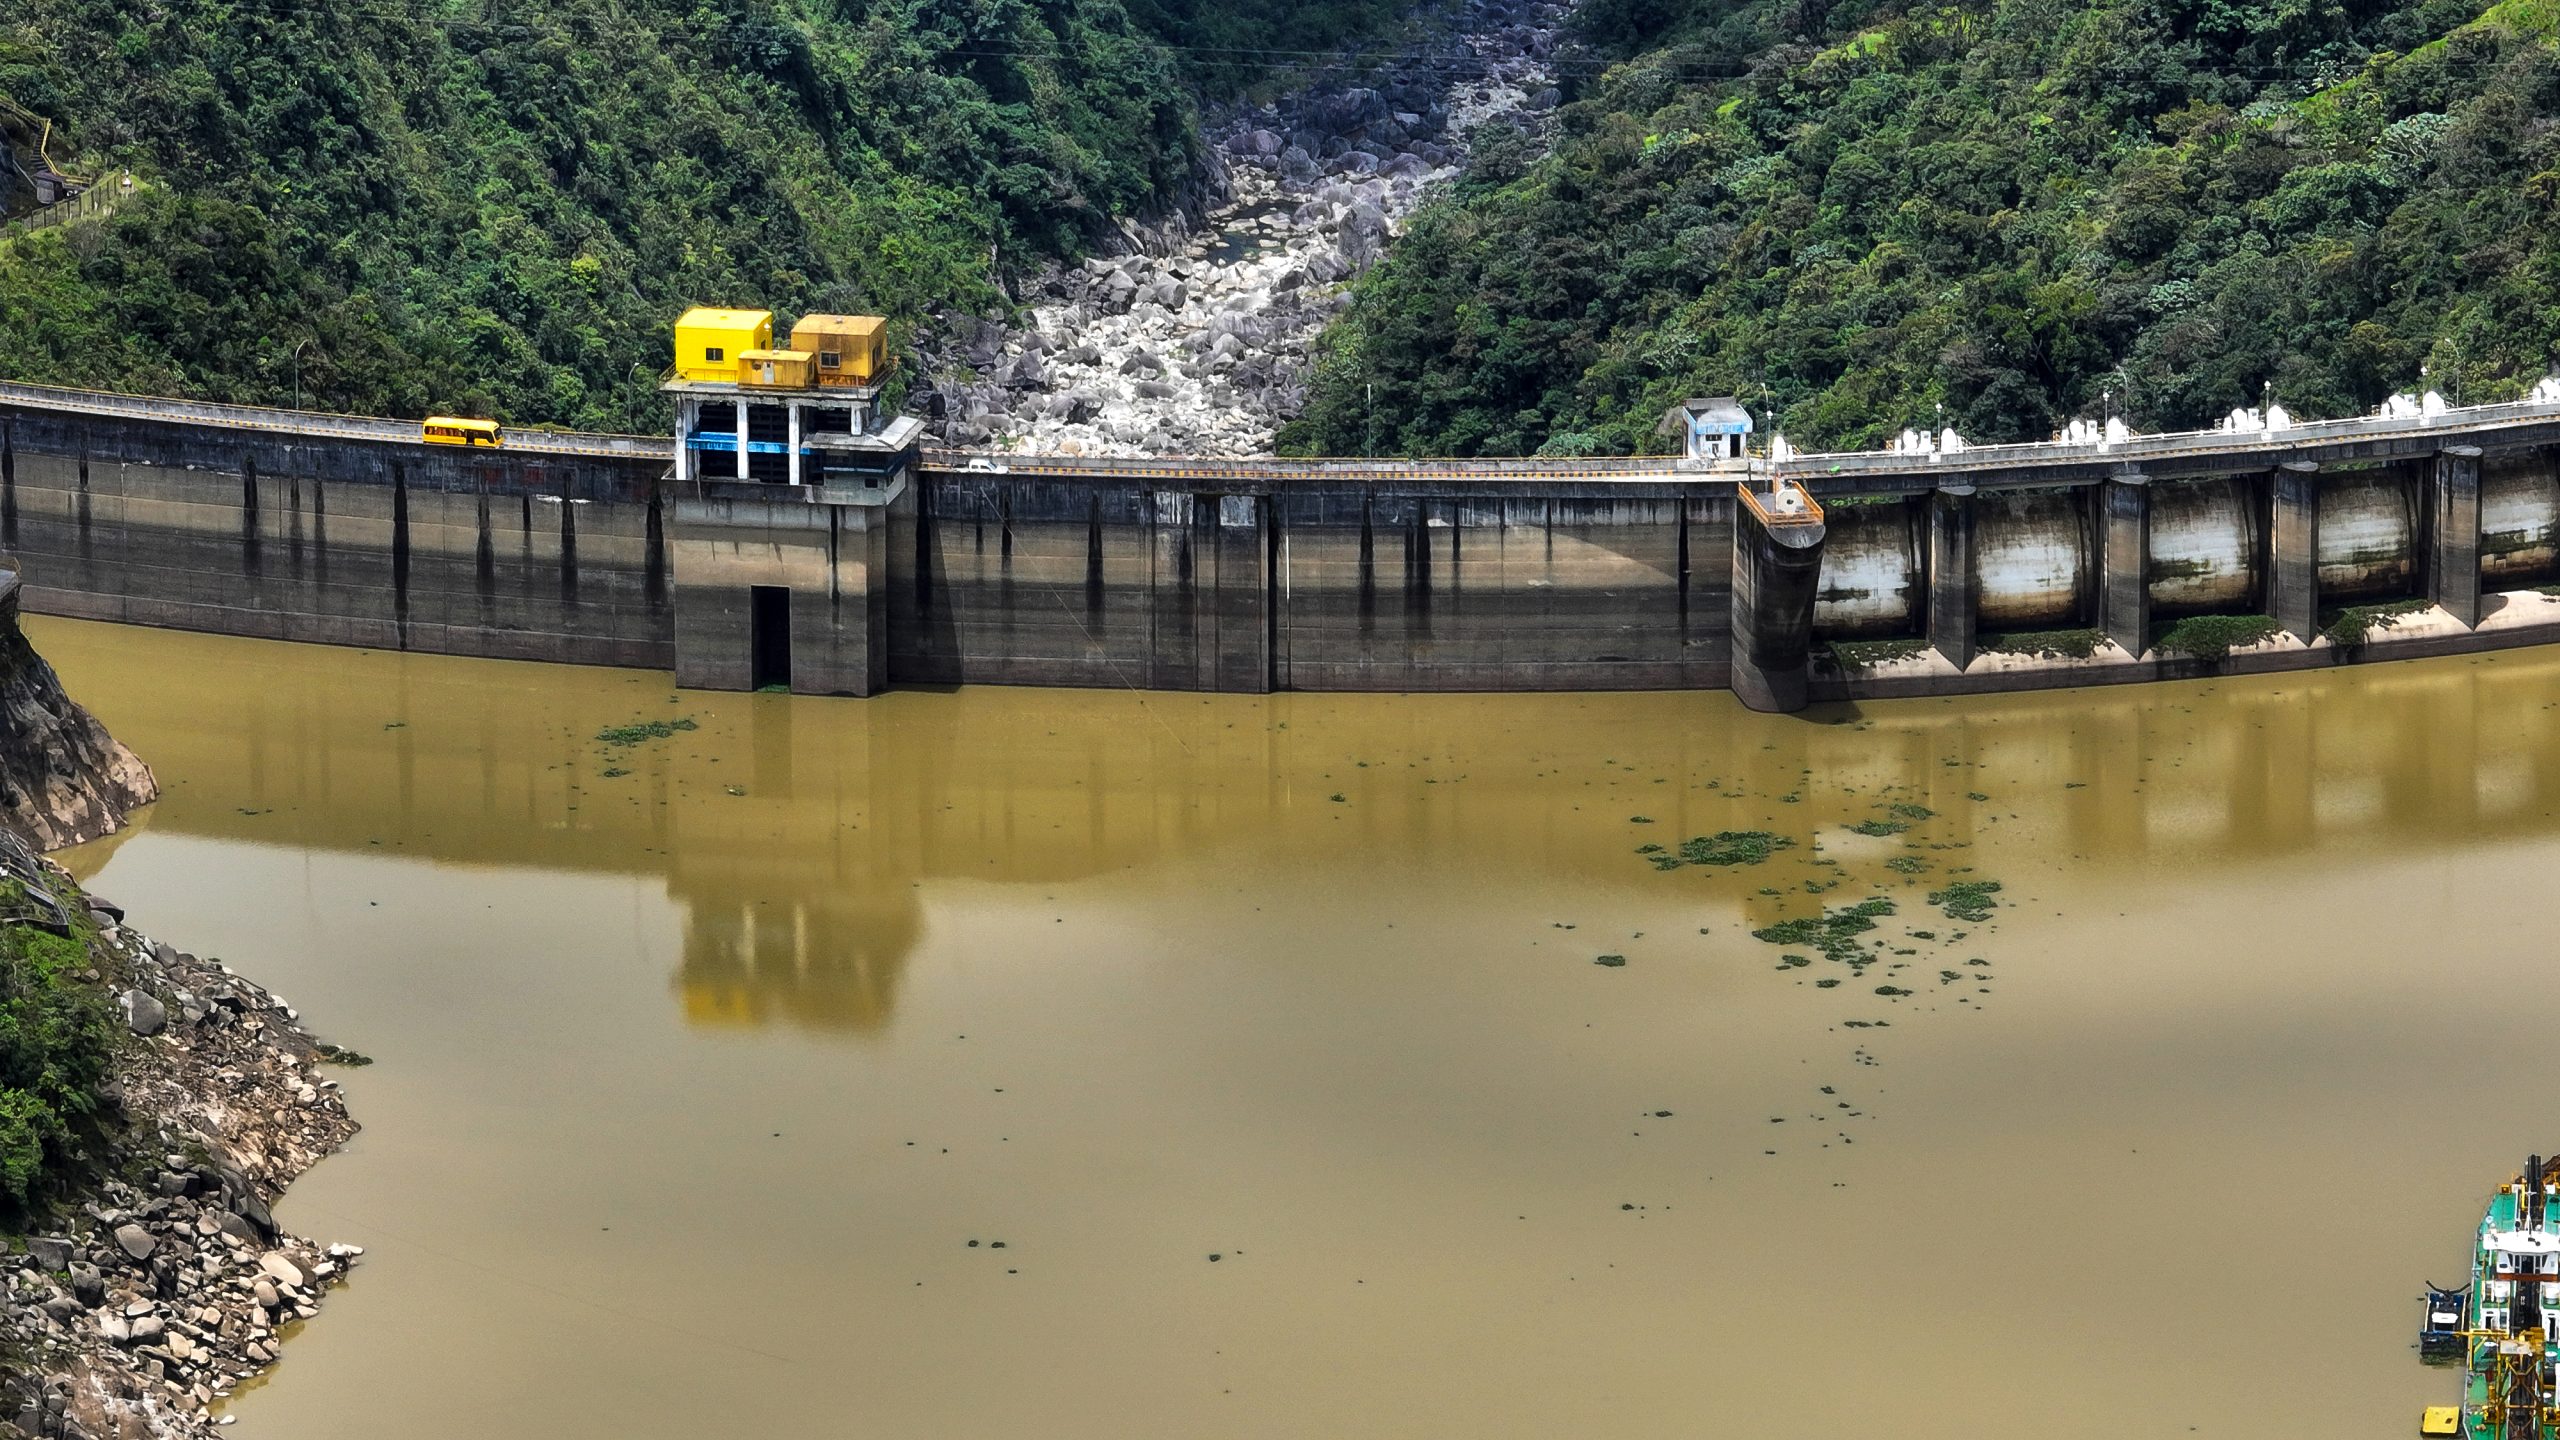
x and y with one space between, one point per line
454 430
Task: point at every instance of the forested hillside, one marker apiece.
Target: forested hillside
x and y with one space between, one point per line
401 206
1861 213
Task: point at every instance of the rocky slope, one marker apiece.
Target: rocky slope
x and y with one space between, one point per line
1196 339
144 1304
63 778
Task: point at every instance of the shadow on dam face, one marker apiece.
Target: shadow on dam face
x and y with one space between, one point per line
805 841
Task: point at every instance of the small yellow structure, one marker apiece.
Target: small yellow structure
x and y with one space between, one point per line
852 350
2441 1420
711 343
783 369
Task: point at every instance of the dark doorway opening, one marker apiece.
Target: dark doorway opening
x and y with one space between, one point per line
769 611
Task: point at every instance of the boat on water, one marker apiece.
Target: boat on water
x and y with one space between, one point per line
2504 1327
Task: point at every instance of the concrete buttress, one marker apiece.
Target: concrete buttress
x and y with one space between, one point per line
1954 587
2453 560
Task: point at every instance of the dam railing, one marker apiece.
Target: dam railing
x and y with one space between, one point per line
2034 463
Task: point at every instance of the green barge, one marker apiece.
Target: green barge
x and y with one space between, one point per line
2504 1326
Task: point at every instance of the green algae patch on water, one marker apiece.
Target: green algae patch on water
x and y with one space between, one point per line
1612 961
643 730
1967 899
1834 932
1725 847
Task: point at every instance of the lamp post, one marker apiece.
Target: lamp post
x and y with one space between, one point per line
298 348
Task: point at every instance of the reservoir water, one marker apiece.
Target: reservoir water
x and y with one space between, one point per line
1045 1063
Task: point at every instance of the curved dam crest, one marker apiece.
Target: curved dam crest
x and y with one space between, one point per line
2358 540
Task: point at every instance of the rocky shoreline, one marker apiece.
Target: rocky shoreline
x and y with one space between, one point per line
140 1307
1199 338
131 1306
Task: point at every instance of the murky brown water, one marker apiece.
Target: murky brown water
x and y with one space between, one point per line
696 1082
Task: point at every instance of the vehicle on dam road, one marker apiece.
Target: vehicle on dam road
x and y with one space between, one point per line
458 430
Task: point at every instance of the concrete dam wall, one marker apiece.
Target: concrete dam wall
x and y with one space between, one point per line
1999 568
964 577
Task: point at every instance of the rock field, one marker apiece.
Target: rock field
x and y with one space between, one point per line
1197 340
137 1311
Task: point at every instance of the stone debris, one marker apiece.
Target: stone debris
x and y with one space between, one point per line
1198 340
139 1309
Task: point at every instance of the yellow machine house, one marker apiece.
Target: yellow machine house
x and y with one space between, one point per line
712 344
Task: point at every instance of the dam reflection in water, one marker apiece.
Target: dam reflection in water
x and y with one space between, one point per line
795 834
720 1046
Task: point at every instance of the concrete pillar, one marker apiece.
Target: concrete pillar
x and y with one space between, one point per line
834 561
858 610
1776 569
2124 561
686 419
794 409
2453 559
1244 605
1954 589
2293 548
1180 575
742 439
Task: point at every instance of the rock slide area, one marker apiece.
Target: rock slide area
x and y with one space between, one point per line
1197 340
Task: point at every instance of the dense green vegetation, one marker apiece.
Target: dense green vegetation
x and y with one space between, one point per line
56 1036
1865 215
497 206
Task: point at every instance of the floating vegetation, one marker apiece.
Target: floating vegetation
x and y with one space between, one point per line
1891 990
2355 624
1967 899
1976 796
1794 962
1865 654
1612 961
1908 811
339 1055
2211 637
1834 932
1906 864
1725 847
2046 644
1880 827
634 734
